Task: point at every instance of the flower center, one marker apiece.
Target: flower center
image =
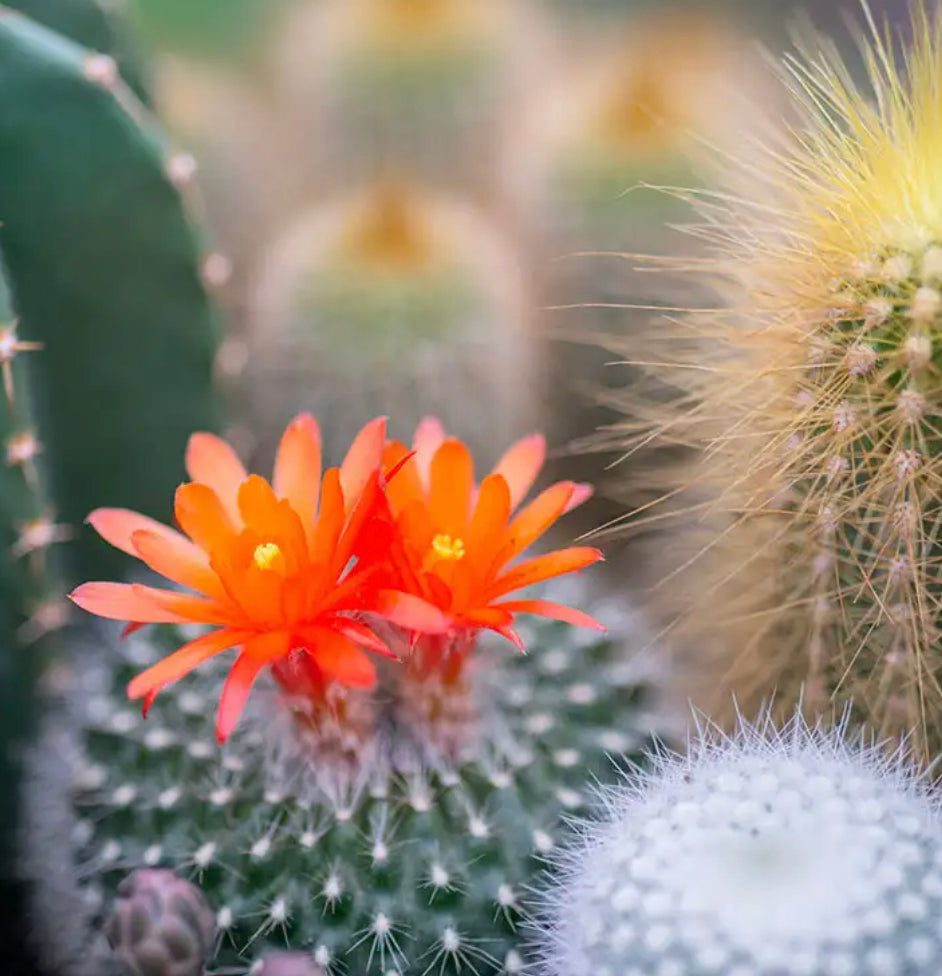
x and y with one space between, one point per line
266 555
445 547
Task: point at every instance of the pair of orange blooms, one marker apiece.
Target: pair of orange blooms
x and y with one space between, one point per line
299 573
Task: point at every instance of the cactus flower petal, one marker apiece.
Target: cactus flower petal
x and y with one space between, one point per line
211 461
178 559
520 465
545 567
183 660
297 475
363 458
118 525
235 693
276 568
555 611
456 538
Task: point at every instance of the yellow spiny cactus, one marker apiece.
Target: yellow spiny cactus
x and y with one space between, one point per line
812 504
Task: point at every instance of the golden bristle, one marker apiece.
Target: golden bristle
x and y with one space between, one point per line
809 497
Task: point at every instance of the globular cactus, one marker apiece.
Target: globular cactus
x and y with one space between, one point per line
385 817
287 964
392 301
812 547
161 924
768 852
409 863
119 304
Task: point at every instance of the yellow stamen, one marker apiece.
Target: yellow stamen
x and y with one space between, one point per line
266 555
445 547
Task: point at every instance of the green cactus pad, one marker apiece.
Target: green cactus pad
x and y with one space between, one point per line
104 270
95 24
415 864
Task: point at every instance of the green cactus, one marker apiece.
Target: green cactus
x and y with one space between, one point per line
99 25
407 861
32 601
99 271
103 267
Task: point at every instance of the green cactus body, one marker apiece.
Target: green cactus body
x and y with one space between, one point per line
406 849
95 24
102 264
32 602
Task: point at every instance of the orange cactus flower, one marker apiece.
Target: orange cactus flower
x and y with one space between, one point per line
274 568
457 540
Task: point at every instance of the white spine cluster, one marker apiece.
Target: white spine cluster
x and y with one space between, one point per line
788 852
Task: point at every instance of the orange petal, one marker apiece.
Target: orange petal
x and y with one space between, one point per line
533 520
211 461
494 617
124 601
269 646
364 509
195 609
183 661
542 568
203 517
235 693
429 436
340 659
117 525
411 612
583 492
521 464
363 459
405 487
297 475
555 611
361 634
451 481
274 521
512 636
179 560
489 522
330 519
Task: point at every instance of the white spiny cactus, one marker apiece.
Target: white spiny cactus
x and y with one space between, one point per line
789 852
